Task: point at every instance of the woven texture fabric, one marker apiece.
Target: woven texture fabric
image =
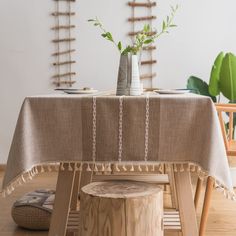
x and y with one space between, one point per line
181 129
34 209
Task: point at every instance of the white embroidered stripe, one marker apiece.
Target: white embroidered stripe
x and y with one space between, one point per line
120 148
94 129
146 129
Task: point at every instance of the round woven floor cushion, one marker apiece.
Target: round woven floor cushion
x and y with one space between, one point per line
33 210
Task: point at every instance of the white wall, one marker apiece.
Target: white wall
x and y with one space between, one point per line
205 28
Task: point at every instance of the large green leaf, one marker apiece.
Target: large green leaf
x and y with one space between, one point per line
214 89
199 86
227 82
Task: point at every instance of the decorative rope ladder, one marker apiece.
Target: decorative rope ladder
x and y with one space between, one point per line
63 43
147 64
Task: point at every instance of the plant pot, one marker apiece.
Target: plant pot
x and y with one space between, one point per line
135 88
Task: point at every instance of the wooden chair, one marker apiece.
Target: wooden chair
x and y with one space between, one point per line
230 146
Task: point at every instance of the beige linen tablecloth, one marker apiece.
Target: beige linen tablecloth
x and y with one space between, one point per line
127 131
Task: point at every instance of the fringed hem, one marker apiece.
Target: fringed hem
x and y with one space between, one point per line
28 175
227 193
159 167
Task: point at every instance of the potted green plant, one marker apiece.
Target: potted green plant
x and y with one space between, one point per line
128 82
222 79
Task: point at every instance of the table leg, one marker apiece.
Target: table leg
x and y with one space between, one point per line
174 200
206 205
74 198
75 193
65 183
198 192
186 204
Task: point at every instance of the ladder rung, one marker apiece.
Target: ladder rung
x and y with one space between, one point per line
59 27
142 4
137 32
63 13
144 18
58 83
148 62
149 48
64 75
63 63
63 40
63 52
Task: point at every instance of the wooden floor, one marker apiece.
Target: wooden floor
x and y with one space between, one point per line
222 219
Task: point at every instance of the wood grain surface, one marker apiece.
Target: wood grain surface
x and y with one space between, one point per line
221 219
121 208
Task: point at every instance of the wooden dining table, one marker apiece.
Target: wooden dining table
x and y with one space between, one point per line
83 135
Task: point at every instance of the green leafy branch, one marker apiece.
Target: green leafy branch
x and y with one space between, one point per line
106 34
168 23
143 38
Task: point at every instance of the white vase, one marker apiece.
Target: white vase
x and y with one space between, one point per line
135 88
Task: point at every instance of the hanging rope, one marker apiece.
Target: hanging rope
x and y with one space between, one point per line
69 44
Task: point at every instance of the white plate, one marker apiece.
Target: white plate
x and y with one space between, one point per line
172 91
81 91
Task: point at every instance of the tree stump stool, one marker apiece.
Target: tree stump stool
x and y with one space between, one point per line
121 208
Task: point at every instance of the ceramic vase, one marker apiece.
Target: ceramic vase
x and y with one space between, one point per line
135 88
123 76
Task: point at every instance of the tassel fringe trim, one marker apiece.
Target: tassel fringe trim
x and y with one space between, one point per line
107 167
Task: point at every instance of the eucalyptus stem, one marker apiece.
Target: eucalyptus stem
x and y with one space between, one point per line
143 38
168 23
107 35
